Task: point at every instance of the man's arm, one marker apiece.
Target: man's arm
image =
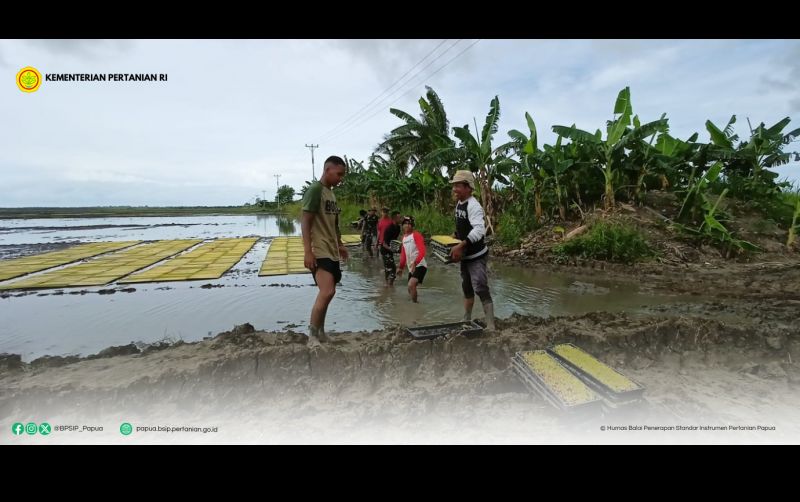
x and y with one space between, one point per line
342 248
307 221
475 214
420 243
476 219
311 203
402 259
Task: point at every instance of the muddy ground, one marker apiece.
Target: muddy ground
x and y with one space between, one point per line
731 362
386 387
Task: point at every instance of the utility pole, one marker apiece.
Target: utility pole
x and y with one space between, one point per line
263 198
313 174
277 191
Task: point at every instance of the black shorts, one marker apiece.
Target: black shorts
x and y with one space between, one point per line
330 266
419 274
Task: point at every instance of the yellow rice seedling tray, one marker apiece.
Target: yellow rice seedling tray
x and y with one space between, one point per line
553 381
444 240
351 239
607 381
210 260
284 256
17 267
106 268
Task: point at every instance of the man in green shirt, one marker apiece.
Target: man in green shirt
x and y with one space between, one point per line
322 243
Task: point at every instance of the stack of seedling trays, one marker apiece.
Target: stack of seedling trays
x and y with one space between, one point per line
616 389
546 376
351 239
395 246
468 329
441 246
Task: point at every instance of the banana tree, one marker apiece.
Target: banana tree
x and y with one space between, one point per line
672 158
556 163
475 152
643 157
722 146
610 153
764 149
480 156
529 178
695 195
795 226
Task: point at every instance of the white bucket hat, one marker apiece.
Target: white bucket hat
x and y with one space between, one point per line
464 177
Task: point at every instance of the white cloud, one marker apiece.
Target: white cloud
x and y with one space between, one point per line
236 112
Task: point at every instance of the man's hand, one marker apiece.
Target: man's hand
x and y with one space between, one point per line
343 252
310 261
456 252
413 269
399 271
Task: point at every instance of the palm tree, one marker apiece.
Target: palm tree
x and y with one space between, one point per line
411 143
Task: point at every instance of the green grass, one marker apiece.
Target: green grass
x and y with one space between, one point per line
428 220
607 241
511 229
791 198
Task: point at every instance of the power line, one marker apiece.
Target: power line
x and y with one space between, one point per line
348 119
413 88
388 99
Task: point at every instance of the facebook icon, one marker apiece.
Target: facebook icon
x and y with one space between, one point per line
17 429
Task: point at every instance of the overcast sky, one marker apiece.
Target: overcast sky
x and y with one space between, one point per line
234 113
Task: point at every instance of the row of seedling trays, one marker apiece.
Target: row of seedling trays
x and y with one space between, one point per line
573 380
440 246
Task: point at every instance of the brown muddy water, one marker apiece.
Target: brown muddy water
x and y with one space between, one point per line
82 321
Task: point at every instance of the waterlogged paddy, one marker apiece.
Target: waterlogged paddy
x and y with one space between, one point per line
80 321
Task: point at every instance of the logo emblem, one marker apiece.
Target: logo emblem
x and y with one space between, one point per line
29 79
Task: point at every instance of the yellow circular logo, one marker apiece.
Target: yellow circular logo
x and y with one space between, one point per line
29 79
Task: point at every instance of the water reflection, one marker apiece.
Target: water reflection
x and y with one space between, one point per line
59 324
286 225
44 231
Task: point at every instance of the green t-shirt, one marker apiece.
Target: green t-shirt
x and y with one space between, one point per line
320 200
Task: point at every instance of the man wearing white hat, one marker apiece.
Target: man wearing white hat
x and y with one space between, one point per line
471 251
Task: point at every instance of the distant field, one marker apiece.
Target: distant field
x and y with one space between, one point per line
105 212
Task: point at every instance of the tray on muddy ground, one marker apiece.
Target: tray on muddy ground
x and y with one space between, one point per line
468 329
536 383
615 397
